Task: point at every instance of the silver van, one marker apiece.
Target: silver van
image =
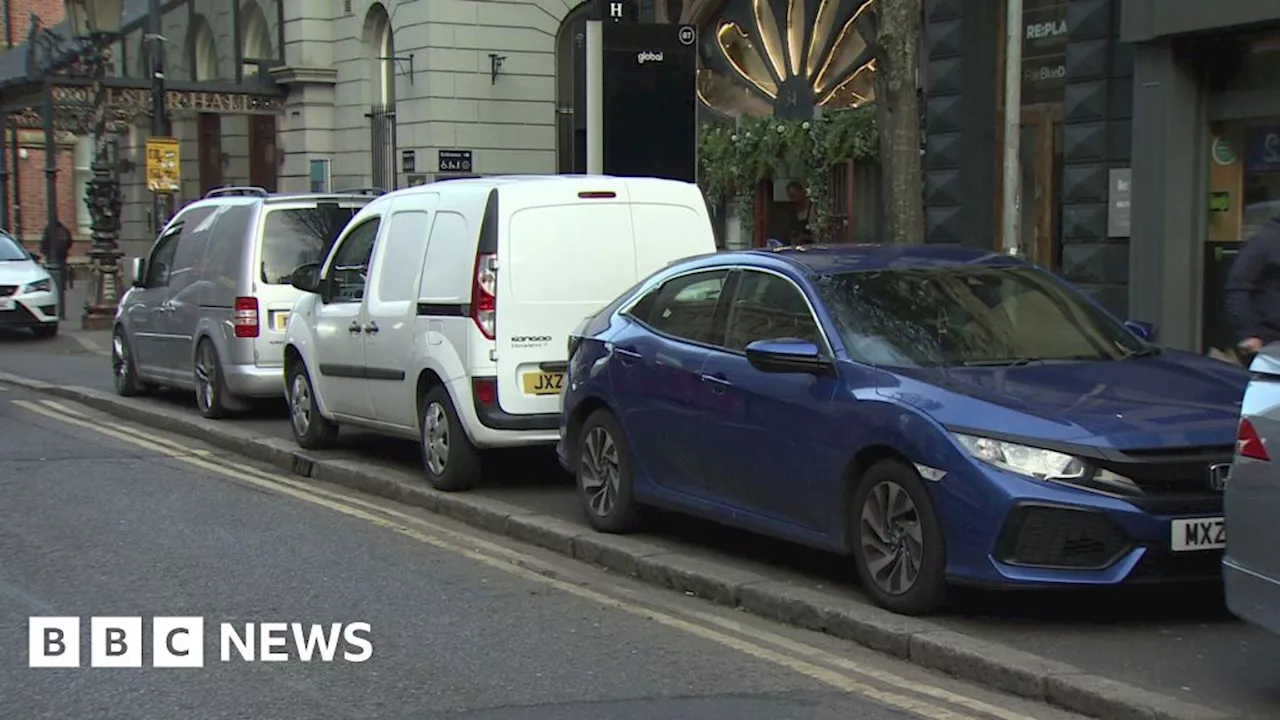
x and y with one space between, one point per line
209 303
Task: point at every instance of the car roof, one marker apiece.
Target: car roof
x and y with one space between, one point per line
830 259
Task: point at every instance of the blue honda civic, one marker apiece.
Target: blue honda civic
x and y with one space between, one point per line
940 414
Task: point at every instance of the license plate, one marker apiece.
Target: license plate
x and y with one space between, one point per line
542 383
6 304
279 321
1198 534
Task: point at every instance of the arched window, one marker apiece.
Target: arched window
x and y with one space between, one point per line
380 41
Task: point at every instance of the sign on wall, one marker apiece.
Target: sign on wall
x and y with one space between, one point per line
408 161
1264 150
455 161
164 171
1044 51
1118 202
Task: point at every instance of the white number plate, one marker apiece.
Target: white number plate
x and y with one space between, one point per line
6 304
1198 534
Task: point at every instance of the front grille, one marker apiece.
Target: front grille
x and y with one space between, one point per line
1058 537
18 317
1161 565
1160 472
7 290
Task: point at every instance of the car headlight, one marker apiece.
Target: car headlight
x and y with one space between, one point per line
45 285
1030 461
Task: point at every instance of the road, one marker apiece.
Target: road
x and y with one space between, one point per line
102 518
1180 642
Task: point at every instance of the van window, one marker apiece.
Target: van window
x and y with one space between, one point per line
440 278
297 236
349 271
401 256
225 261
193 242
571 253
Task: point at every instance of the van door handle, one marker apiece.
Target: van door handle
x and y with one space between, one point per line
354 327
371 328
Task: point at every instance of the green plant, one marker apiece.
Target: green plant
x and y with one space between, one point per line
733 160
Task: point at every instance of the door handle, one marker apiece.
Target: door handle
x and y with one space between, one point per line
166 307
626 356
719 382
371 328
354 327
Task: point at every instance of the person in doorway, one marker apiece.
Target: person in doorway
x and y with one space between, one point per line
802 210
1253 291
55 244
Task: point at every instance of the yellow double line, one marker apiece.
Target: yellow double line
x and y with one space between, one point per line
892 690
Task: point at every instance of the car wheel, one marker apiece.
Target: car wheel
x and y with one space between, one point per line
124 372
451 461
897 540
604 475
211 393
311 430
46 330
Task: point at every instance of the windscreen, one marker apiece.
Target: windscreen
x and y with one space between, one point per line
969 316
10 250
296 236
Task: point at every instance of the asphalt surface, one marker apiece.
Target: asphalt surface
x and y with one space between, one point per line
129 522
1177 640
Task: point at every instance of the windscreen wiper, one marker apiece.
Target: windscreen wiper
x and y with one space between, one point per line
1006 362
1144 352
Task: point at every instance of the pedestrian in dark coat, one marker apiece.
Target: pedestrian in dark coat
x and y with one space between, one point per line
1253 290
56 245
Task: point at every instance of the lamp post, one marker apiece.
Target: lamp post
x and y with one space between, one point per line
97 24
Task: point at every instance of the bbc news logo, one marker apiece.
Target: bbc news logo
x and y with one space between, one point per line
179 642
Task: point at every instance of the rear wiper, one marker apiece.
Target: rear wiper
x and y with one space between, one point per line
1007 362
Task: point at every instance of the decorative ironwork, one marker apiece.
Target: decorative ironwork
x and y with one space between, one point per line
382 128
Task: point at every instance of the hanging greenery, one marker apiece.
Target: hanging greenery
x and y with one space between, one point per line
733 160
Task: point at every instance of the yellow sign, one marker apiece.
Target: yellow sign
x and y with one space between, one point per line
164 173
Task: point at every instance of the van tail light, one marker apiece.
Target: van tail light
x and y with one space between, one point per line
246 317
484 294
597 194
485 389
1249 444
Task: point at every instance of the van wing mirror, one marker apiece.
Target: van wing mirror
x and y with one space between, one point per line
138 271
306 277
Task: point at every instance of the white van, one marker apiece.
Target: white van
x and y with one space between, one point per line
443 311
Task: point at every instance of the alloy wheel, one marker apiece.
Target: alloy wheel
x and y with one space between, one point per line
435 438
206 369
300 405
600 472
891 538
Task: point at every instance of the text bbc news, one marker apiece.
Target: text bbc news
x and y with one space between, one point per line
179 642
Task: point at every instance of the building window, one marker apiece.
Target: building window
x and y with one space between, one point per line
320 175
83 173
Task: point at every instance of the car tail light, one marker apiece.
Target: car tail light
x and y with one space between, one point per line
486 390
1249 444
484 294
246 317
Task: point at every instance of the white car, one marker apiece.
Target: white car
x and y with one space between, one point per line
443 312
28 295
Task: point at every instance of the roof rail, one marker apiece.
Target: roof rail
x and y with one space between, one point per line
249 190
361 191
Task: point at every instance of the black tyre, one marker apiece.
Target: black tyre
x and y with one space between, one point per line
211 390
124 372
604 477
46 330
897 540
451 461
311 430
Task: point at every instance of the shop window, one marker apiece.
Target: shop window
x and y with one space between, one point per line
1244 178
83 174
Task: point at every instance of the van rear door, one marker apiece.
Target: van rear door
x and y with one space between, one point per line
565 249
671 223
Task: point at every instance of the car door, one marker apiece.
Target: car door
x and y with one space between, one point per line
769 431
391 312
339 323
182 304
146 310
656 364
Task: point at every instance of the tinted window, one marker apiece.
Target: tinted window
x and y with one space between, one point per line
400 261
972 316
768 307
193 242
350 270
161 264
685 307
297 236
10 250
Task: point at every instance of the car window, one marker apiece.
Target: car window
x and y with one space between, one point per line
297 236
400 263
161 265
969 316
769 307
350 269
685 307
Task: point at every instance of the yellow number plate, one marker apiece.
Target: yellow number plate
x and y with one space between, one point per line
540 383
280 320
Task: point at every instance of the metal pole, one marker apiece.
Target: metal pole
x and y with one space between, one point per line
15 156
4 179
595 97
51 201
1011 235
159 109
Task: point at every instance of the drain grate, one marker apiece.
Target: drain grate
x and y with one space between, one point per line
303 465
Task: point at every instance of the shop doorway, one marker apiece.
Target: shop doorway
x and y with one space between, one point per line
1041 154
262 152
209 131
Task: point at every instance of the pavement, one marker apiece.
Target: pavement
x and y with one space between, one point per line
1176 644
104 517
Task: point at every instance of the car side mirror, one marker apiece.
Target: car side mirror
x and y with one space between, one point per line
1144 330
138 271
306 277
788 355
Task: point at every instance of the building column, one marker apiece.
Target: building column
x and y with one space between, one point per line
306 132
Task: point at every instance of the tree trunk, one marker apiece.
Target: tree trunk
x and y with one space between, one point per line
898 118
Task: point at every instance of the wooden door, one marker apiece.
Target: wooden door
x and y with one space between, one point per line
209 131
262 152
1041 151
